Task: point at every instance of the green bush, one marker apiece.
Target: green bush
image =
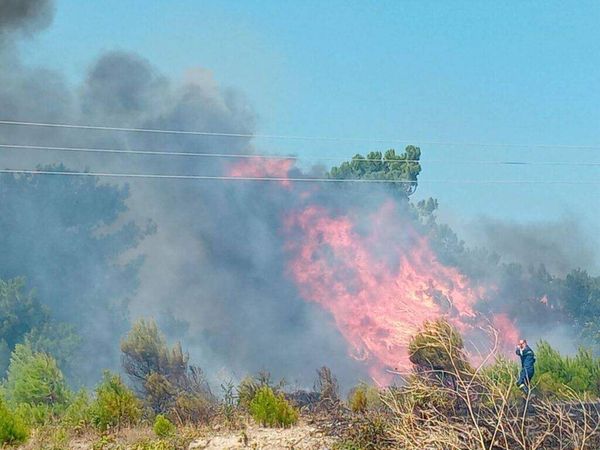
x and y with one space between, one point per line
503 374
363 398
36 415
35 379
250 385
115 405
163 427
272 410
358 400
12 428
78 413
557 374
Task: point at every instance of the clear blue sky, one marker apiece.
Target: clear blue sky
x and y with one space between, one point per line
477 71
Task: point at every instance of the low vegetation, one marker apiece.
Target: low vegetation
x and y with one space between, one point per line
444 403
272 410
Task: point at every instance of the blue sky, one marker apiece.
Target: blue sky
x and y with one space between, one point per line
501 72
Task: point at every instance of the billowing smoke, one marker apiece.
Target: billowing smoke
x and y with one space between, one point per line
213 271
25 15
560 246
240 271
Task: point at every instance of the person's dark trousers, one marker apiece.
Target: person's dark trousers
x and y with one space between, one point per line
525 377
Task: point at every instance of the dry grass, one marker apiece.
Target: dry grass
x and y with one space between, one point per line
476 411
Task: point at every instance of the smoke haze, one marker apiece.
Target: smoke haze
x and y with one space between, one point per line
206 258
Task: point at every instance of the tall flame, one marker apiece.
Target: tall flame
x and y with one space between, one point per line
376 274
379 284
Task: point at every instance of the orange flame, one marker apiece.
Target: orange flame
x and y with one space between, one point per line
379 285
262 167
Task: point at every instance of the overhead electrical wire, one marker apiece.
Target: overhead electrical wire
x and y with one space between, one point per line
289 157
288 179
290 137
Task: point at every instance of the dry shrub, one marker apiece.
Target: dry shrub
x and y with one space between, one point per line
163 377
478 410
327 385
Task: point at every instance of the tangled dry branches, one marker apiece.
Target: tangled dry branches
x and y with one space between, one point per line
478 411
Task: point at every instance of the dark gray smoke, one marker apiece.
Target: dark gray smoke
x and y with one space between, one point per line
25 15
560 246
213 272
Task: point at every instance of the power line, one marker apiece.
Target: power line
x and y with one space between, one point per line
285 179
292 137
291 157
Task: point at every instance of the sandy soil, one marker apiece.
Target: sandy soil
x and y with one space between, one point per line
300 437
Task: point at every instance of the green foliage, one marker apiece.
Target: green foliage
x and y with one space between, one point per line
503 374
35 379
163 427
163 375
20 313
78 413
12 428
557 374
38 415
272 410
25 320
115 405
145 352
52 229
363 398
57 339
357 400
582 303
388 166
250 385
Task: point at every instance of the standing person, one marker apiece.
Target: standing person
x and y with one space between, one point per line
527 365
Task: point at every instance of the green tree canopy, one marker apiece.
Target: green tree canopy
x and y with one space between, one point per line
404 168
62 234
35 379
23 319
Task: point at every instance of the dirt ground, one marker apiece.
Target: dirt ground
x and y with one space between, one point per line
299 437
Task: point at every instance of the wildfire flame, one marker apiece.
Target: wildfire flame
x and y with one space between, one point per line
262 167
379 292
376 274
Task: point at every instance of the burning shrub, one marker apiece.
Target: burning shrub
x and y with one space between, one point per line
439 347
115 405
272 410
